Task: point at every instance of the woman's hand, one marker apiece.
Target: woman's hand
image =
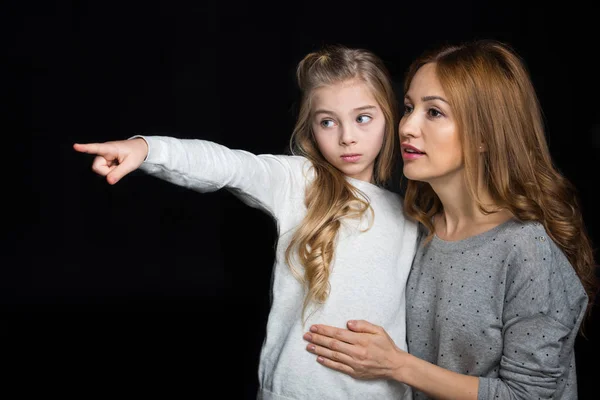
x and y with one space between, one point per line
365 351
115 159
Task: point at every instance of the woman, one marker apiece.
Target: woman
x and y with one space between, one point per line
504 274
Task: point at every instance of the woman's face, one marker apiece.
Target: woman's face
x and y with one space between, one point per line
431 147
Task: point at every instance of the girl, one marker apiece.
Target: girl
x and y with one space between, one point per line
504 275
344 246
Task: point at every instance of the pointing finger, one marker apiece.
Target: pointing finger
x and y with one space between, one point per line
94 148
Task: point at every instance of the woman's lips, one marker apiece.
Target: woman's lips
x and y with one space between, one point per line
411 156
410 152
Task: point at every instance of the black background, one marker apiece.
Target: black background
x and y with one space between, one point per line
145 287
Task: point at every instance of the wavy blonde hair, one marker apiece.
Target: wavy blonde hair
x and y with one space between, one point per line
493 98
330 197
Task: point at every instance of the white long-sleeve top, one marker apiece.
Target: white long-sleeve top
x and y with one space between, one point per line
368 273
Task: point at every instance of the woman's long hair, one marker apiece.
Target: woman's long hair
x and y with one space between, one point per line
493 98
330 197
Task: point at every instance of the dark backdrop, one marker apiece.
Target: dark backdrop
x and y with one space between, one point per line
145 287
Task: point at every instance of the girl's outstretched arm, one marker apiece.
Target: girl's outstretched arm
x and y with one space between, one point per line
262 181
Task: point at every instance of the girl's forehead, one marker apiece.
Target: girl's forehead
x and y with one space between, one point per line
345 95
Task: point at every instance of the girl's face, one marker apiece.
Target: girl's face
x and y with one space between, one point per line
431 147
349 127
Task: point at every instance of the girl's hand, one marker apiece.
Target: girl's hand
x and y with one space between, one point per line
115 159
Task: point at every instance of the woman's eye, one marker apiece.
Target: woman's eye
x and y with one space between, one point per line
434 113
407 109
362 119
327 123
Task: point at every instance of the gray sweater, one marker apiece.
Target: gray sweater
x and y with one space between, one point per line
369 271
504 305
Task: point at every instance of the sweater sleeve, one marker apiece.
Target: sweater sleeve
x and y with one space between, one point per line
261 181
543 308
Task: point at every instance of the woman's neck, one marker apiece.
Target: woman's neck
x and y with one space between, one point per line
451 228
462 217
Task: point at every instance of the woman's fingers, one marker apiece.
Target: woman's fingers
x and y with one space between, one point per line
329 342
367 353
336 365
343 335
334 345
332 353
363 326
326 351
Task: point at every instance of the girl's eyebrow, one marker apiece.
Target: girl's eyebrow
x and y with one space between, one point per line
362 108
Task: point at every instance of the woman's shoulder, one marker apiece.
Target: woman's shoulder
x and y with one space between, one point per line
528 240
530 237
537 253
539 263
524 228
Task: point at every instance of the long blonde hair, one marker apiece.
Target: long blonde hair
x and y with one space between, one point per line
493 98
329 198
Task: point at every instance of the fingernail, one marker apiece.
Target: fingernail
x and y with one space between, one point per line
351 322
320 359
307 336
311 347
313 328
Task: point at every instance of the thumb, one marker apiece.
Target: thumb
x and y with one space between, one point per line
362 326
117 173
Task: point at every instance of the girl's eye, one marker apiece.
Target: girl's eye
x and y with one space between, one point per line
407 109
363 119
327 123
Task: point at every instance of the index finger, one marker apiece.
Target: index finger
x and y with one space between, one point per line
92 148
341 334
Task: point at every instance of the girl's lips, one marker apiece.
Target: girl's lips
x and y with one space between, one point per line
351 157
